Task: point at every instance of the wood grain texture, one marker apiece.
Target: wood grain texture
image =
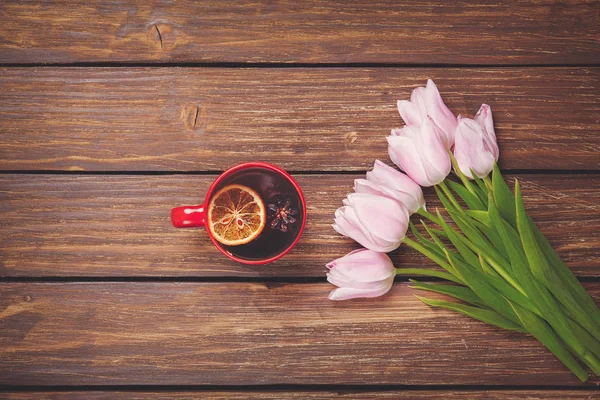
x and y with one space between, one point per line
254 333
317 119
317 31
118 225
315 395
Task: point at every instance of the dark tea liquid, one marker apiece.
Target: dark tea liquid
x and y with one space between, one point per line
271 187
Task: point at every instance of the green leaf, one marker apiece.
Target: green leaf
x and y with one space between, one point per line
433 236
445 202
483 222
432 247
438 232
588 341
477 242
542 332
482 216
428 272
566 276
487 316
479 283
541 271
509 237
503 197
500 265
468 185
470 199
476 276
485 267
511 290
458 242
433 233
483 189
450 197
493 237
518 261
441 261
540 296
458 292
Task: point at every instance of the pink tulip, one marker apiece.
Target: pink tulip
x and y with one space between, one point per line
420 152
361 273
378 223
475 147
426 101
386 181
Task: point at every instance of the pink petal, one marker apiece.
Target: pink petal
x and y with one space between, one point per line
347 224
410 203
436 160
403 153
338 279
417 97
484 118
333 263
403 188
365 266
350 293
396 132
413 111
390 177
439 112
405 199
470 151
382 217
409 112
365 186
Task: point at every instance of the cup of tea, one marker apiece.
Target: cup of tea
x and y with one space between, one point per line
254 213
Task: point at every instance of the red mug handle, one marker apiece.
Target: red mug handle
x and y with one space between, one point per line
188 216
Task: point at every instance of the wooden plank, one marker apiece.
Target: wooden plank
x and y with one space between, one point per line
118 225
317 395
254 333
302 119
318 31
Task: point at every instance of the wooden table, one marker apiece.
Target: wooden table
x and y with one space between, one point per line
112 112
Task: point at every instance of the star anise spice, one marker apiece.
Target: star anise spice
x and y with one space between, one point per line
281 213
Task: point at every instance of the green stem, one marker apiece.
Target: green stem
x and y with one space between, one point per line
432 256
450 196
466 183
423 212
427 272
488 182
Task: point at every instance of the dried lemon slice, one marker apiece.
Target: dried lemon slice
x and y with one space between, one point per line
236 215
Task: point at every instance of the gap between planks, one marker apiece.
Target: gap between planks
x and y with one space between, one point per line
292 172
101 64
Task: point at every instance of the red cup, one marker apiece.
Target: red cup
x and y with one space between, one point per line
195 216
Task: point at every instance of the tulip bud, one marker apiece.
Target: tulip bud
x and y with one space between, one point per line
361 273
420 152
386 181
427 101
475 147
378 223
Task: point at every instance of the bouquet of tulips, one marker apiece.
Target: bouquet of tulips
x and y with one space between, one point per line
498 263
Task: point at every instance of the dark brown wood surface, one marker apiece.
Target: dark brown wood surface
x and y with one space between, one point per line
112 112
115 225
314 395
318 31
254 333
317 119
